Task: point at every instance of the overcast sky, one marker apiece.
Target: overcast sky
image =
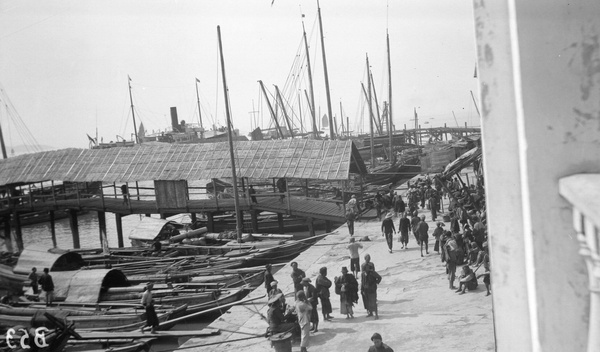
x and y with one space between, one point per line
64 64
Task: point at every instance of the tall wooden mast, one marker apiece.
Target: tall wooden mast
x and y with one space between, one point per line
389 110
370 115
236 199
273 115
2 146
132 111
379 123
329 110
311 101
199 113
285 114
342 118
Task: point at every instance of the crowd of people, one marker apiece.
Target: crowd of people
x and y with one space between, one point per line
463 244
460 241
302 317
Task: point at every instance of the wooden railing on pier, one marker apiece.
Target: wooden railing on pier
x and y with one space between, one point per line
282 203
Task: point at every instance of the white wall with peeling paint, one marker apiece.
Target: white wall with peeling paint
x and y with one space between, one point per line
539 66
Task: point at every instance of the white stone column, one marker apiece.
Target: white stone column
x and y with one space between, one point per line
501 172
539 66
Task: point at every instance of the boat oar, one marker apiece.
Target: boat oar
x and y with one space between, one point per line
170 323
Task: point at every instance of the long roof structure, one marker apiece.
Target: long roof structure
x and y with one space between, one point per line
291 158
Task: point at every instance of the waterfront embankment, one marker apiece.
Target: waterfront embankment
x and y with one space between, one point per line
417 310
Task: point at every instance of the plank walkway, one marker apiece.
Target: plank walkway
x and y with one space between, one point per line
298 206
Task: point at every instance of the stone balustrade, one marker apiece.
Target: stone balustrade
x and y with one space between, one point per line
583 192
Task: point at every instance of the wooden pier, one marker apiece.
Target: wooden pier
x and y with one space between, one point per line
279 169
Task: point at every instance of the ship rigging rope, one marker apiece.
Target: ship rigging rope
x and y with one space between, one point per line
27 137
220 342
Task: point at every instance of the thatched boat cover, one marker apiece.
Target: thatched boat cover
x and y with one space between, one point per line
148 228
463 161
291 158
84 286
41 257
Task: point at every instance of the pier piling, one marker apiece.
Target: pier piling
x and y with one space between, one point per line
280 222
52 228
119 230
18 232
8 234
102 228
74 227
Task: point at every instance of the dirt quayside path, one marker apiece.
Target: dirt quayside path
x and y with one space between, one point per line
417 310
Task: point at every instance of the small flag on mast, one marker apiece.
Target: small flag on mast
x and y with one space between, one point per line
197 80
129 78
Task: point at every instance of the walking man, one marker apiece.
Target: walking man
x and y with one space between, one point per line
387 227
47 286
354 256
350 216
437 233
404 227
423 231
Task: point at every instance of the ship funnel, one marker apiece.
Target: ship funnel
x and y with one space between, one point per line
174 120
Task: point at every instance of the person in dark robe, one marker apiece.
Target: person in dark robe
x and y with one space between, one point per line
276 317
423 231
297 276
282 188
368 289
125 192
33 280
437 233
47 286
347 288
322 284
404 228
350 216
312 297
387 229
